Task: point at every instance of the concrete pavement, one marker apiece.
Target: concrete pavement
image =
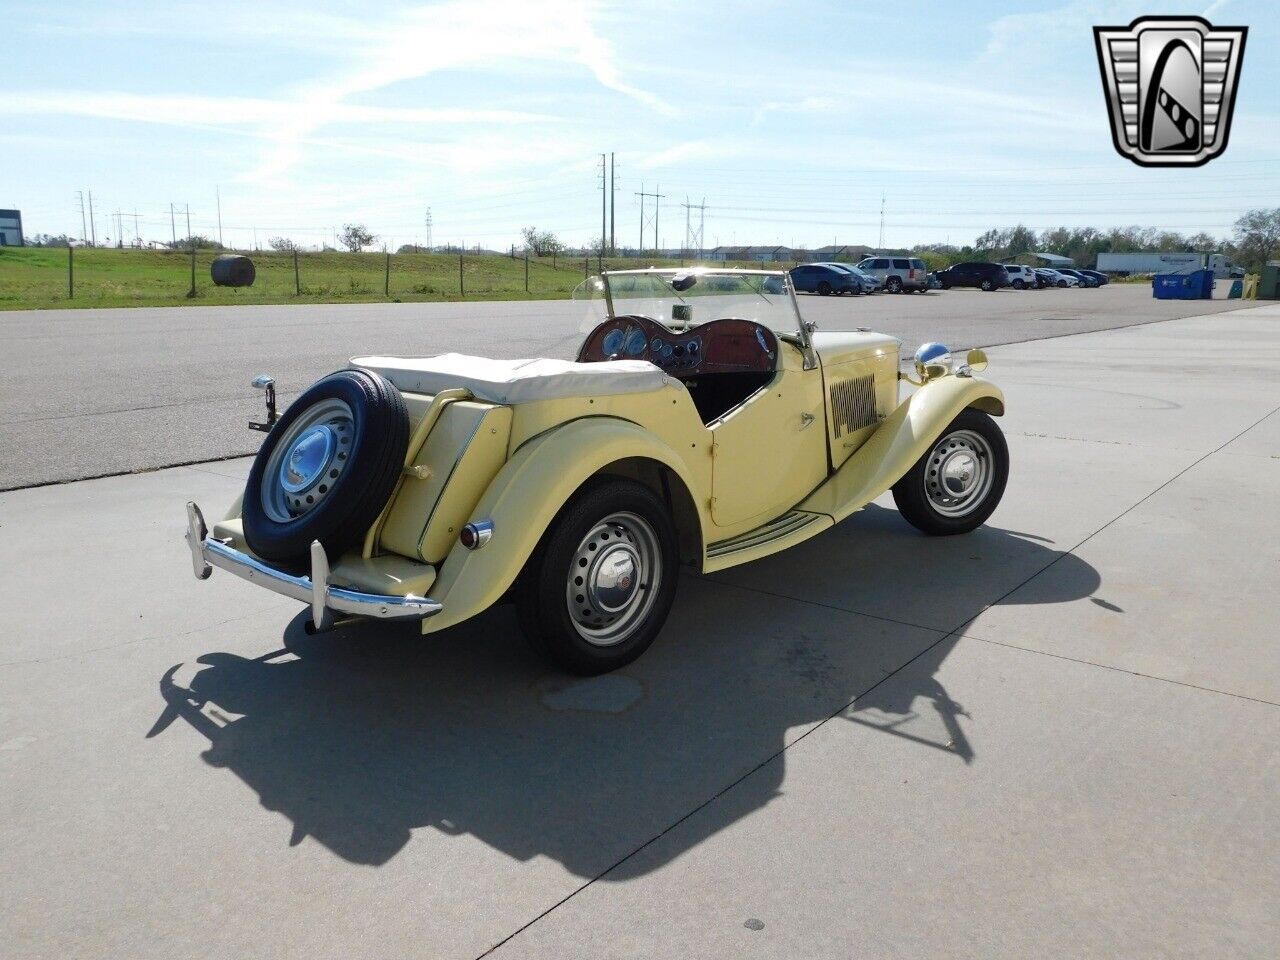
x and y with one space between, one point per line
1052 737
94 392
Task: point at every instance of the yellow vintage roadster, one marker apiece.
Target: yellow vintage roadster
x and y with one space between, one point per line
703 423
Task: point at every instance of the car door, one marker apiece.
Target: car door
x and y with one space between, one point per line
802 278
770 452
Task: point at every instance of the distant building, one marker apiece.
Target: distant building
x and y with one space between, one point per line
11 228
841 253
1053 260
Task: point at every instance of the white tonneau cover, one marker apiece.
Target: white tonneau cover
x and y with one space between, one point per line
515 381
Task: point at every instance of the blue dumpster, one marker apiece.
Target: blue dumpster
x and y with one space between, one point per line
1196 285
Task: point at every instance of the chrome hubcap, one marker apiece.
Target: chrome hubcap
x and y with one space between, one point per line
613 579
308 460
959 473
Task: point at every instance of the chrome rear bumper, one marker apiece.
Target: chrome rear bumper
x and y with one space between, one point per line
325 600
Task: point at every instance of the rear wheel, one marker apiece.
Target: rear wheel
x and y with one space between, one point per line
958 483
598 588
1019 285
987 285
824 288
1063 283
894 285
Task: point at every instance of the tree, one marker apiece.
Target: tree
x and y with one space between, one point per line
355 237
1258 237
282 244
49 240
197 241
540 242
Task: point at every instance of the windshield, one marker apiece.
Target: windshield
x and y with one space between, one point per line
680 299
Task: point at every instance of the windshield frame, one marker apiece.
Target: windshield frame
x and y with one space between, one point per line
802 335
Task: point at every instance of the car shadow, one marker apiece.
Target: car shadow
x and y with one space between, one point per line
364 735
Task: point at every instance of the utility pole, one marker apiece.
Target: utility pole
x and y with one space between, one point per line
188 221
613 208
604 233
136 235
692 236
217 192
119 230
656 197
173 224
93 227
428 229
881 244
84 231
657 209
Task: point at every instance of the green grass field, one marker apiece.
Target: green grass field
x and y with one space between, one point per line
36 277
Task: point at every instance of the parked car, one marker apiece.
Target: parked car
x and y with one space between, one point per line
984 276
1102 278
933 282
1085 279
823 279
897 273
1020 277
703 424
1055 278
866 282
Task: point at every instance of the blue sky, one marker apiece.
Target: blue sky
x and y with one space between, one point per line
791 120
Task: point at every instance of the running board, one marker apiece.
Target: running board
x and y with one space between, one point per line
786 531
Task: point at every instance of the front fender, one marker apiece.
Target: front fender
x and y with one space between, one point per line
526 495
900 441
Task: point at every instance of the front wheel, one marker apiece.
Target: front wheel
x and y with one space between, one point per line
598 588
987 285
1019 285
893 285
958 483
824 288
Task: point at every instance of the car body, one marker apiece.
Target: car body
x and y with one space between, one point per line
897 274
974 273
866 282
704 424
1056 278
1084 278
1020 277
1102 278
824 279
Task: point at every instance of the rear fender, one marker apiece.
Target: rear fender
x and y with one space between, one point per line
900 441
525 497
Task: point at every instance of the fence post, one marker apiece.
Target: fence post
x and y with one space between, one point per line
71 272
586 268
462 290
386 280
192 292
297 284
526 271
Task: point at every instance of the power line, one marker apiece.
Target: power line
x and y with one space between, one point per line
693 236
654 219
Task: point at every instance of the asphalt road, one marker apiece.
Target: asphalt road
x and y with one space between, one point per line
1052 737
97 392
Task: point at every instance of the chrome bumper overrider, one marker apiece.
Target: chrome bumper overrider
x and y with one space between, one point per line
325 600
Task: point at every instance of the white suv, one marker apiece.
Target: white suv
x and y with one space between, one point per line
1022 278
897 273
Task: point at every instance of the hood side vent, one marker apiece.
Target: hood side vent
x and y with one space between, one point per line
853 405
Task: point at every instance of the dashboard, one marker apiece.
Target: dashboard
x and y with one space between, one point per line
720 346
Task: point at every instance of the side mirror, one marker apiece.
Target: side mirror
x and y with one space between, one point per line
976 360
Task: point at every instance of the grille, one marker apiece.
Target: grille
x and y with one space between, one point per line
853 404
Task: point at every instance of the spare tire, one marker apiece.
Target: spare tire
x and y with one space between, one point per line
327 467
232 270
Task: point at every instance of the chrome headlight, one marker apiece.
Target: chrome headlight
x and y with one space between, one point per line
933 360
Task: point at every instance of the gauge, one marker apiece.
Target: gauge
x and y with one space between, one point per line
695 346
667 350
635 343
612 343
656 345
